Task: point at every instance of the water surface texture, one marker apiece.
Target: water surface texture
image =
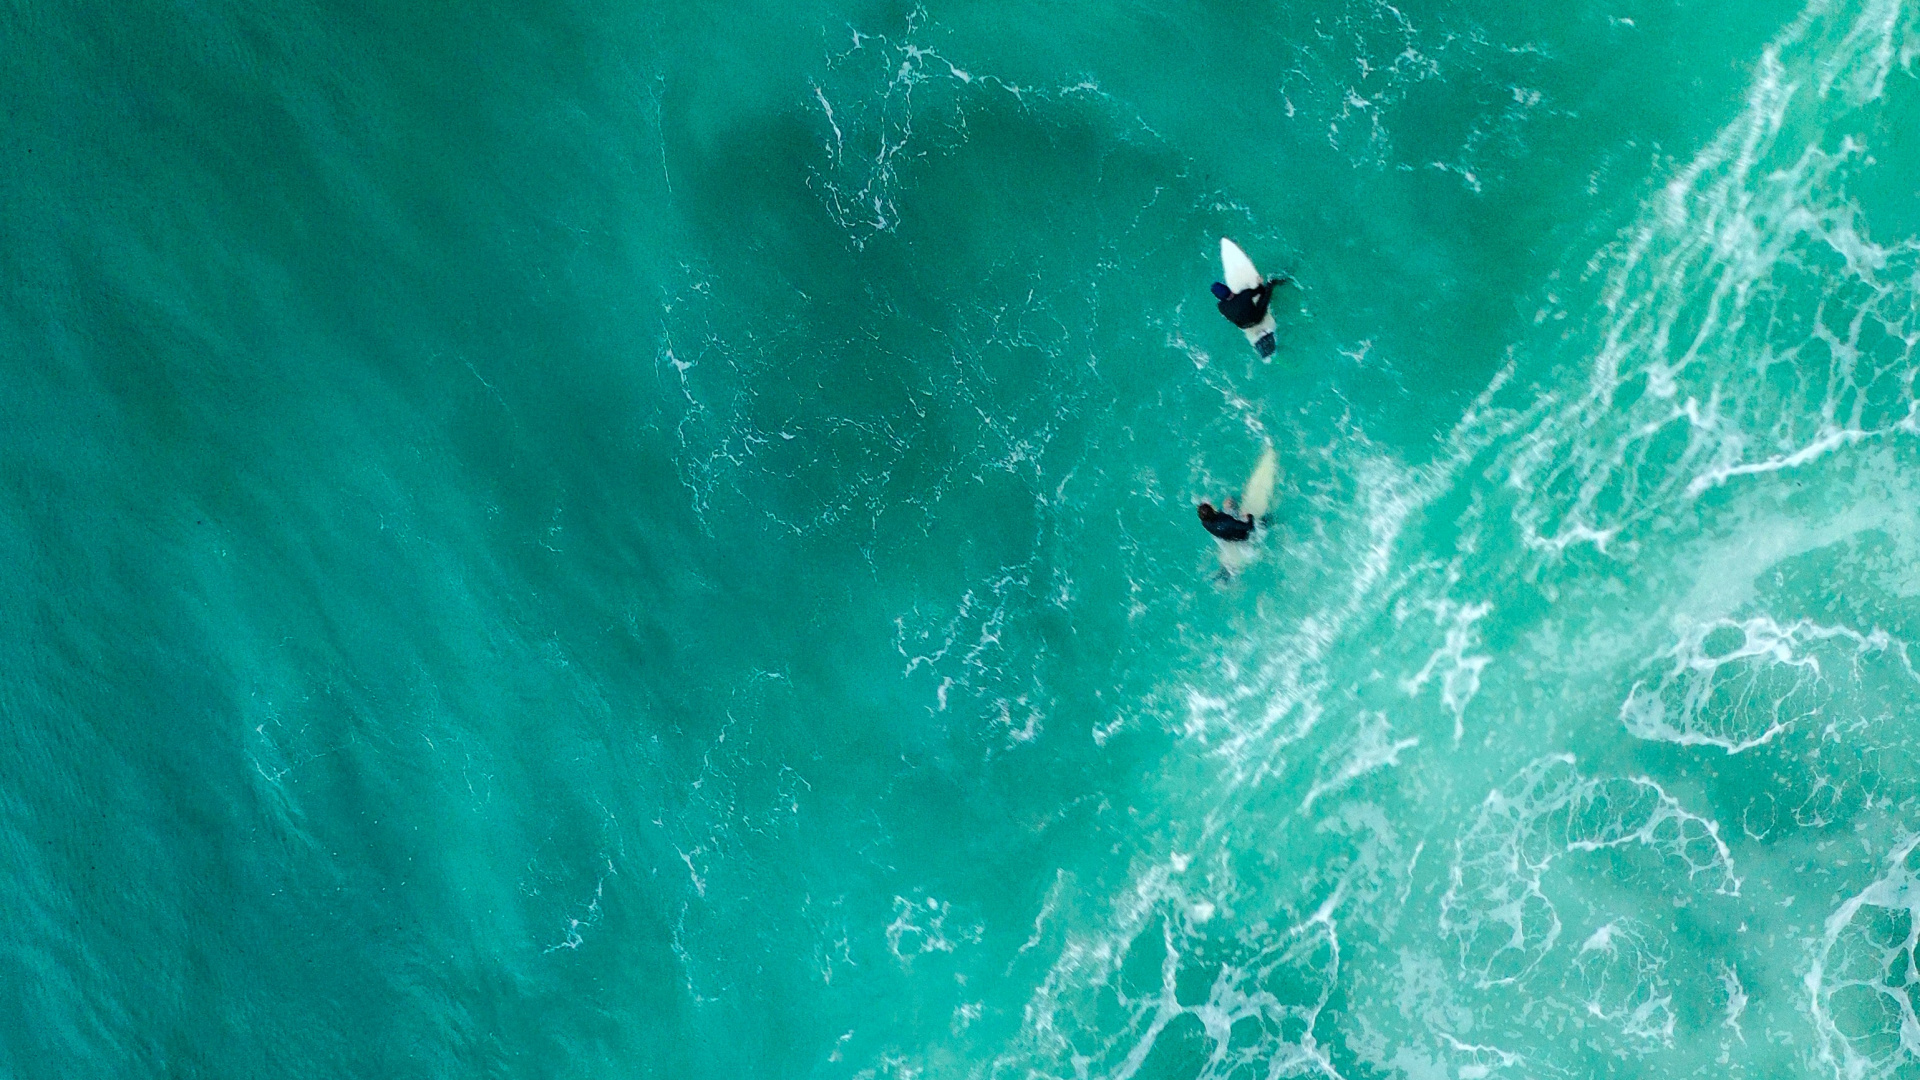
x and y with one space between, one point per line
610 540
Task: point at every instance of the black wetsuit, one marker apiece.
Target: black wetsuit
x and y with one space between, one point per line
1226 526
1247 307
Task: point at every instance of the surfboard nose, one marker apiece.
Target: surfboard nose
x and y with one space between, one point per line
1236 268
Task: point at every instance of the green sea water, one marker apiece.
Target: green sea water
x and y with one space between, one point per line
632 540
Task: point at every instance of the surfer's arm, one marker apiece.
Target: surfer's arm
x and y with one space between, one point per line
1262 297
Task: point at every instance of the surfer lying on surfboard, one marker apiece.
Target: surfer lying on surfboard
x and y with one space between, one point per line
1246 308
1228 525
1244 297
1240 521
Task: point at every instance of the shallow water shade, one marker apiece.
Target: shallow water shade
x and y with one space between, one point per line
619 541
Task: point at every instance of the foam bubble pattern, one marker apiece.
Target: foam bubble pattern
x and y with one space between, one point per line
1620 972
1739 684
1176 988
1496 906
1861 983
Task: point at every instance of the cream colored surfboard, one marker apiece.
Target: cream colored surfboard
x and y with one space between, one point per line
1256 499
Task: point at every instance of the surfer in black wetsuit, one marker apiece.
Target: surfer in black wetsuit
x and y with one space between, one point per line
1229 525
1247 307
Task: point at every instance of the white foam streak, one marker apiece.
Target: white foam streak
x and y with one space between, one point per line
1370 749
1751 237
1461 680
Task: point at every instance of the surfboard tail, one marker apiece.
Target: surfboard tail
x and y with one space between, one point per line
1265 346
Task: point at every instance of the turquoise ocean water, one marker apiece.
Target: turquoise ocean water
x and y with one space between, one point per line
631 540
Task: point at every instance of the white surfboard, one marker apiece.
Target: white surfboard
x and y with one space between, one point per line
1239 274
1256 499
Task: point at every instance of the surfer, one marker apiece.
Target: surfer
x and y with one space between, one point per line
1244 296
1228 525
1247 308
1234 526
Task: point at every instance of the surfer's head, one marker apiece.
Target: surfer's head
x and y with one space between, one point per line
1207 512
1220 291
